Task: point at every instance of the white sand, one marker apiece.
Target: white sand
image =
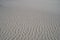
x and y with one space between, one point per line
29 20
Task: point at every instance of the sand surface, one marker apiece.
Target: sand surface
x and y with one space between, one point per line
29 20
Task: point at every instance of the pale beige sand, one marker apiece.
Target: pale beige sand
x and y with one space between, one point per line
21 22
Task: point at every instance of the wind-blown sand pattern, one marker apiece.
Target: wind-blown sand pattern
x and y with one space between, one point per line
28 23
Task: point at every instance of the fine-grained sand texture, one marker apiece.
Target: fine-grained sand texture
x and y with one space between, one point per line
28 23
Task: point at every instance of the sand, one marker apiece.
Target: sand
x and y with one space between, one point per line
29 20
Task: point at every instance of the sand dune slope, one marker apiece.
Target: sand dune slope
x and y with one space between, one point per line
19 22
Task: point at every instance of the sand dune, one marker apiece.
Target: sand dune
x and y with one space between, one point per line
22 21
